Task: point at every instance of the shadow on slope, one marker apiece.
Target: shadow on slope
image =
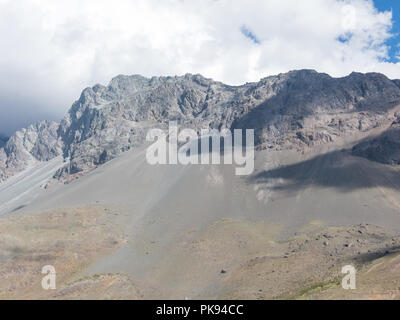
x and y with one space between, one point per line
384 148
337 169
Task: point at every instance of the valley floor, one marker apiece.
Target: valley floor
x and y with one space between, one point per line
229 259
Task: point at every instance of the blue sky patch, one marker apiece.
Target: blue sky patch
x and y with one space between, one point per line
393 43
345 38
249 34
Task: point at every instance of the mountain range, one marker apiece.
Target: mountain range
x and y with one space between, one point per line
295 110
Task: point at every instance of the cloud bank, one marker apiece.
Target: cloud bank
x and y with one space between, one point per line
51 50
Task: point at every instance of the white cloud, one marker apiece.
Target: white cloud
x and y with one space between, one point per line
51 50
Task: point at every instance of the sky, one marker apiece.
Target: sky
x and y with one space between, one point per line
393 42
52 50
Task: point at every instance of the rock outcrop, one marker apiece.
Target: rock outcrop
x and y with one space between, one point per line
385 148
106 121
315 108
39 142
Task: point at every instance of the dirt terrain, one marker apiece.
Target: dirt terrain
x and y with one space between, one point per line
229 259
69 240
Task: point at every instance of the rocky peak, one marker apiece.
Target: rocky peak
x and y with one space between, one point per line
36 143
316 106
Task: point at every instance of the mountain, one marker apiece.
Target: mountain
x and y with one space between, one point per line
286 111
324 193
297 109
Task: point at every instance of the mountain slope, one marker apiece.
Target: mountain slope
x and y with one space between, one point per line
383 149
184 224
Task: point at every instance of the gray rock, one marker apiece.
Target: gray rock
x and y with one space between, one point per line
106 121
384 149
39 142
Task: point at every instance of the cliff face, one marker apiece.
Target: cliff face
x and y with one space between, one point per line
298 109
39 142
316 108
106 121
385 148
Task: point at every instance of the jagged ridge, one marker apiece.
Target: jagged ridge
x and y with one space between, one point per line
293 110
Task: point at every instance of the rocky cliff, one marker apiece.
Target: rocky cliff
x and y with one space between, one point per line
298 109
385 148
39 142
